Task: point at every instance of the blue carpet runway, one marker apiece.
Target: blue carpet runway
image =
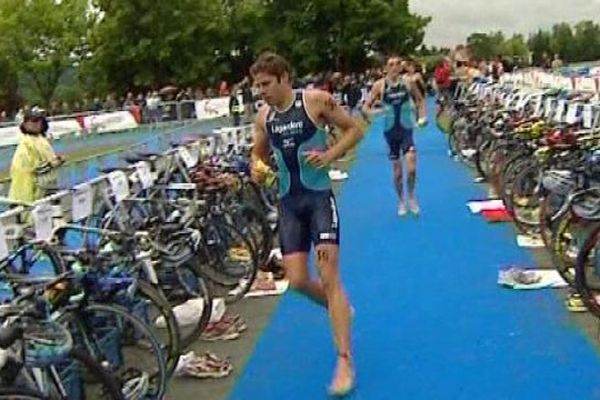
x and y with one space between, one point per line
431 321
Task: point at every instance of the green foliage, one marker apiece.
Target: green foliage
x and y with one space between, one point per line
577 43
515 48
143 43
573 44
148 43
486 46
121 45
43 39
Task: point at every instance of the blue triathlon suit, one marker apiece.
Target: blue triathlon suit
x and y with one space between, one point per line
308 212
399 118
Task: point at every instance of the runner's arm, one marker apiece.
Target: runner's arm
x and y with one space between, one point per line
332 113
373 96
419 100
260 144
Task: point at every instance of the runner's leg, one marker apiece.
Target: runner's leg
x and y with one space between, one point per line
325 233
296 271
295 242
411 167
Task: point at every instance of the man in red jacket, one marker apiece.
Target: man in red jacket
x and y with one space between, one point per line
442 75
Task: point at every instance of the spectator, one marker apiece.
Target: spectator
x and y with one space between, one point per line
223 89
497 68
337 88
54 108
546 63
187 108
20 116
235 108
556 63
414 75
85 104
140 101
442 75
109 104
66 108
34 163
153 103
185 95
484 70
129 101
248 99
96 105
351 94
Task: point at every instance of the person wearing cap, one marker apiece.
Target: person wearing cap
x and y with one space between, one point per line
42 114
34 162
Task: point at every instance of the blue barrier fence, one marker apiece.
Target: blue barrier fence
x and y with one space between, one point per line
117 144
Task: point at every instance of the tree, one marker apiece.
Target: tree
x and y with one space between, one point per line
144 43
243 32
516 48
540 45
562 42
391 27
119 45
325 34
484 46
587 41
9 96
47 38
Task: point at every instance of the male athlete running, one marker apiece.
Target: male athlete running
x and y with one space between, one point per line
397 94
292 124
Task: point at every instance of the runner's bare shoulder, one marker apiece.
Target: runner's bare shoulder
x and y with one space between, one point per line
317 98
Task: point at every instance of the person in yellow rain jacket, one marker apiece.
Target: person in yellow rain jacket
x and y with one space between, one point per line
34 162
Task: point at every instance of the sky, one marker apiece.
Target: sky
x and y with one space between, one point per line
454 20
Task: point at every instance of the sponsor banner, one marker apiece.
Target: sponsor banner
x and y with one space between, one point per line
214 108
110 122
9 136
540 79
59 128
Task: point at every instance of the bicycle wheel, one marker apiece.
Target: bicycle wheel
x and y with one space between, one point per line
20 394
549 208
181 279
76 377
482 158
512 168
587 271
525 200
255 226
168 336
100 383
566 244
121 342
232 260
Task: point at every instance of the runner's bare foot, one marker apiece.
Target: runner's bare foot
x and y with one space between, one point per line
343 380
